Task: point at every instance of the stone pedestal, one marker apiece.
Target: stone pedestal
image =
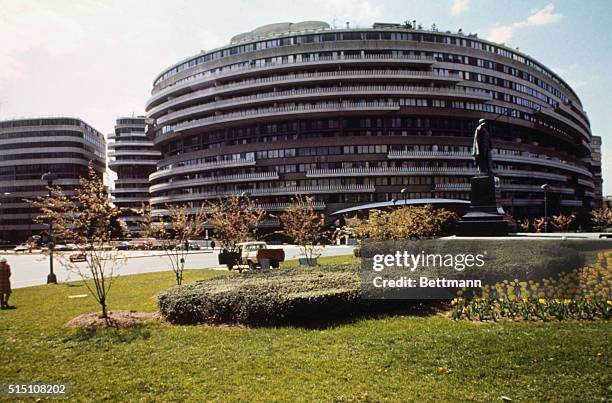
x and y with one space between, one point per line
485 216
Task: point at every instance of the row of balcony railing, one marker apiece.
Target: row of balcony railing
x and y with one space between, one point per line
259 176
289 190
506 187
420 171
317 205
405 90
204 166
249 113
332 75
399 154
417 59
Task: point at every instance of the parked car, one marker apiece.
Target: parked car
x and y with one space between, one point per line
77 257
139 245
23 248
124 245
190 245
253 255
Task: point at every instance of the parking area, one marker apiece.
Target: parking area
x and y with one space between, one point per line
32 268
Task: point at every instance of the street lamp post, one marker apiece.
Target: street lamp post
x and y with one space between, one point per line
404 193
49 177
545 188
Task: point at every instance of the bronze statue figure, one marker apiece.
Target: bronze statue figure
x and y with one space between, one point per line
481 150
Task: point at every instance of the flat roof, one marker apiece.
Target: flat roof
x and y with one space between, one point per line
398 203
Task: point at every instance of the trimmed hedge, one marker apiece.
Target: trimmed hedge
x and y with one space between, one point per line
265 298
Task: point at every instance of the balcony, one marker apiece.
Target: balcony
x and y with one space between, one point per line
506 187
131 200
275 111
318 93
408 154
388 171
262 176
331 76
267 192
144 189
113 163
152 153
317 205
283 65
206 166
121 142
416 155
114 136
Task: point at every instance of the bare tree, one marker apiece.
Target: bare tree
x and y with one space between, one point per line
174 235
304 226
235 220
89 220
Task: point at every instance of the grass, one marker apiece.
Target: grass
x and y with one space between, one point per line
396 358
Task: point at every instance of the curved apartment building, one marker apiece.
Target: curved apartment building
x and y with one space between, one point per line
353 116
133 158
31 147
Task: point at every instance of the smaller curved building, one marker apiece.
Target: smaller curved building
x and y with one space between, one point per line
31 147
133 158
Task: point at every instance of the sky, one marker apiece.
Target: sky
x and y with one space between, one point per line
97 59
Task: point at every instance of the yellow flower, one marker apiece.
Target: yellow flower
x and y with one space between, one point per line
609 302
542 301
567 301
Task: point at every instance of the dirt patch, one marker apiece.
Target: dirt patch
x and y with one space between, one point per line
116 319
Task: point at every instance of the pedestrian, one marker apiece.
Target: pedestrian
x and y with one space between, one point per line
5 283
212 245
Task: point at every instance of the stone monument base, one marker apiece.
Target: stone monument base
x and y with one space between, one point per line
485 216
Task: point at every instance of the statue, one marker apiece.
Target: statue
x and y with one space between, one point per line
481 150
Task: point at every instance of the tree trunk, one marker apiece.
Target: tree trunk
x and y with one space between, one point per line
103 305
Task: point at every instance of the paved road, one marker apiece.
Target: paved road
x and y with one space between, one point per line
32 269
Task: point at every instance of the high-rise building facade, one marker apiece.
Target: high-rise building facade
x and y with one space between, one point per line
32 147
353 116
132 157
596 168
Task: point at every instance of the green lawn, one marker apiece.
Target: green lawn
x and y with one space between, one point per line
392 358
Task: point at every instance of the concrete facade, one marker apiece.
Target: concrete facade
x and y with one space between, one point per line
353 116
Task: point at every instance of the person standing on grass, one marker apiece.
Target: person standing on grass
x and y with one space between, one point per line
5 283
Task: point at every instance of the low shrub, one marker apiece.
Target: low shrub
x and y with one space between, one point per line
264 298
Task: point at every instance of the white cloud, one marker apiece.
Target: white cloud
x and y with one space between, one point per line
544 16
537 18
459 6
